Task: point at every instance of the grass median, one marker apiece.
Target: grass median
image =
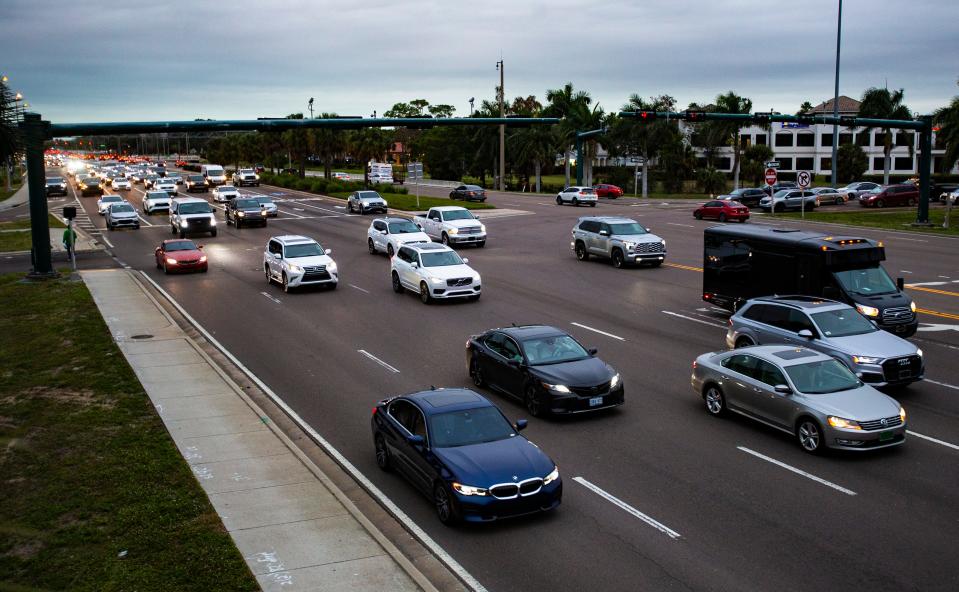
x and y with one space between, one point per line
16 235
898 219
96 495
407 203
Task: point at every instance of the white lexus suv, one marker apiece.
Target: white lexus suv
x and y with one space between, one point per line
296 261
387 234
434 271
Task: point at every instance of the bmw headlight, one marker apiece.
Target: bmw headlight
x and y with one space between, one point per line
558 388
846 424
553 476
869 311
865 359
468 489
614 382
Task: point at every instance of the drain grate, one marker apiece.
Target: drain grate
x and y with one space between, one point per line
142 336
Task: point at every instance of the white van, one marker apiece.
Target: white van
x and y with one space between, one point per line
381 172
214 174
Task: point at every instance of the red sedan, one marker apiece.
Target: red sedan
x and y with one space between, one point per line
722 210
607 190
176 255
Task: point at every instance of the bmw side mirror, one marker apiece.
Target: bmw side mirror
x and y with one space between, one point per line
416 440
521 425
806 333
901 284
592 351
328 251
783 389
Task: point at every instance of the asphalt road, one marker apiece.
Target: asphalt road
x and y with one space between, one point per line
881 521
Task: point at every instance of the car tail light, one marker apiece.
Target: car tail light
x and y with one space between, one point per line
694 364
374 410
729 321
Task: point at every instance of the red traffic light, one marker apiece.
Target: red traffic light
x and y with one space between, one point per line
694 116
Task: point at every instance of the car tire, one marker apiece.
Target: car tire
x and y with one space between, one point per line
425 297
389 251
213 232
810 435
476 373
397 286
619 261
532 402
559 200
157 262
880 203
715 400
744 342
698 215
592 204
575 202
911 202
445 239
655 263
480 244
137 227
722 217
266 272
286 283
349 207
382 453
110 227
172 229
166 270
840 200
445 505
581 253
370 246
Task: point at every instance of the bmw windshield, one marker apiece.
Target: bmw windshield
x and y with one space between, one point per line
470 426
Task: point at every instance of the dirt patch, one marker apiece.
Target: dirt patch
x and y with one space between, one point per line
84 397
24 550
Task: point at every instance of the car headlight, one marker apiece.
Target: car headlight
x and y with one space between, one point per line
212 221
257 177
482 228
553 476
183 223
902 414
331 268
912 305
453 231
171 260
865 359
296 268
558 388
203 259
468 489
919 352
629 246
614 381
664 243
869 311
839 422
438 281
241 214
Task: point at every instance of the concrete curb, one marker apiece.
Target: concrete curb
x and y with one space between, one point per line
19 198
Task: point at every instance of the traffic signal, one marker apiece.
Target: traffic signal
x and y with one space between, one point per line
806 118
847 120
694 116
647 115
761 117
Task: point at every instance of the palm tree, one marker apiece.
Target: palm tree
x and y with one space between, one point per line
9 133
947 118
328 142
630 136
585 117
562 103
733 103
536 144
368 144
879 103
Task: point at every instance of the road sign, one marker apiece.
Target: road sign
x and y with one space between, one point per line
803 179
771 176
772 164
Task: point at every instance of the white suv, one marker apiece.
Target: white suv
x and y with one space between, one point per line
296 261
435 271
156 200
577 195
388 234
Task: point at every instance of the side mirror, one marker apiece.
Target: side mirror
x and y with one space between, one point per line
521 425
200 247
328 251
277 256
592 351
901 284
465 260
382 232
514 364
416 440
414 265
603 233
783 389
806 333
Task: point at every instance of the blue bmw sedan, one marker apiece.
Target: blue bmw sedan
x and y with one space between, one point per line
458 449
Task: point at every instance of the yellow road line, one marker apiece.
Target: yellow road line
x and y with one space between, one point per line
934 313
933 290
687 267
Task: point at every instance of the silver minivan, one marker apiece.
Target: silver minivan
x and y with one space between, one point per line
878 357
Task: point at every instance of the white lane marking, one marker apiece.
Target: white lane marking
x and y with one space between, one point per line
945 277
378 361
145 221
943 384
932 283
904 271
299 209
946 345
359 288
624 506
273 298
938 327
316 207
598 331
676 314
293 214
946 444
915 240
104 239
797 471
340 207
677 224
360 478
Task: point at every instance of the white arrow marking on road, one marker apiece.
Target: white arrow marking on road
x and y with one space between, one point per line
938 327
797 471
623 505
277 300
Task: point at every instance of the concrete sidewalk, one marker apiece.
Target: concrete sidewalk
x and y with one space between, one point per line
294 527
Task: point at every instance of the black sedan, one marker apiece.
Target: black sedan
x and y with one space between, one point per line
469 193
545 368
458 448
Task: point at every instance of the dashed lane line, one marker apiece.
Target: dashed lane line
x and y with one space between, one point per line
682 316
800 472
378 361
933 440
598 331
628 508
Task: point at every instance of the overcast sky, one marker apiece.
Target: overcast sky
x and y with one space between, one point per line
96 60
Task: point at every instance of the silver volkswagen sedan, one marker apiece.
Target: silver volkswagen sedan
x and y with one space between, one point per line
802 392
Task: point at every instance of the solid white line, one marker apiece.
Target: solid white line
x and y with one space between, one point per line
676 314
915 240
359 288
145 221
277 300
368 485
943 384
624 506
104 239
677 224
378 361
797 471
598 331
946 444
904 271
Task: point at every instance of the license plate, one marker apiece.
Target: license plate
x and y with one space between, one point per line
595 401
905 374
885 436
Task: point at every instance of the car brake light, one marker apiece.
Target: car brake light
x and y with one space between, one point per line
374 410
694 364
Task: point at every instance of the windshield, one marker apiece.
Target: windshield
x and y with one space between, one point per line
369 195
181 245
842 323
123 208
54 179
471 426
196 178
782 192
246 171
474 188
404 227
246 203
553 350
458 215
819 378
628 228
195 208
214 171
441 259
871 281
304 250
264 200
111 198
158 195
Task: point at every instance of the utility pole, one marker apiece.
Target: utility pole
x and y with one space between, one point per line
502 129
835 104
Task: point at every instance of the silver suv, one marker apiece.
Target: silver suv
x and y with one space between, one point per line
878 357
622 240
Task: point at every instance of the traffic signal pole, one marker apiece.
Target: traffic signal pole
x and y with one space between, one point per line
34 133
925 166
580 136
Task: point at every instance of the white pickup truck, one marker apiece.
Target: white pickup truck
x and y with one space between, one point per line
452 225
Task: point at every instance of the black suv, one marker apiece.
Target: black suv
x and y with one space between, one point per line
56 186
245 211
196 183
748 197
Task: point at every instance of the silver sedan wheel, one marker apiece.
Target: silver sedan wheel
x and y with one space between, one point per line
714 401
810 438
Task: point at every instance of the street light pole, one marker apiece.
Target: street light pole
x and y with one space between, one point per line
835 103
502 129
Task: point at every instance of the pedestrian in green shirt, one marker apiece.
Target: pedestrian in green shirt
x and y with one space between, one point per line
69 240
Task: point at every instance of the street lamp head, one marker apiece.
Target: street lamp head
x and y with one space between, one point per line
4 78
311 101
19 97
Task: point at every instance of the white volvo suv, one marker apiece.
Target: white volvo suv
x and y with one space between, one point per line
434 271
296 261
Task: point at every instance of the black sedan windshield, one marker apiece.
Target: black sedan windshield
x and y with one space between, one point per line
403 227
471 426
553 350
818 378
180 245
